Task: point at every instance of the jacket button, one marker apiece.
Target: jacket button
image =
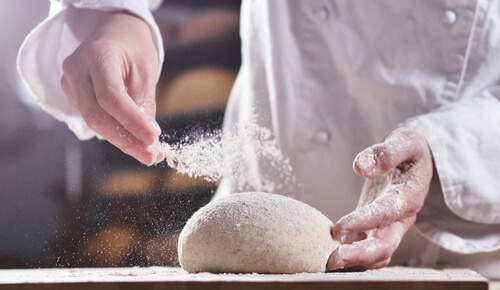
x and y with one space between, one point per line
457 59
321 137
449 17
322 13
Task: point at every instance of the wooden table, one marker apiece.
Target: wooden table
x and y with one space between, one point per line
175 278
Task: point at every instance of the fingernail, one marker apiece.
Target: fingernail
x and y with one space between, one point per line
340 233
155 151
156 127
159 158
366 162
338 265
336 231
148 139
146 158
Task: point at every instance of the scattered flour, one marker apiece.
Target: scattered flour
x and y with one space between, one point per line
218 155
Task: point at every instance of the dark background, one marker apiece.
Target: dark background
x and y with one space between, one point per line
54 211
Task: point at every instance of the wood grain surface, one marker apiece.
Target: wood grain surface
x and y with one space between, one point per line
176 278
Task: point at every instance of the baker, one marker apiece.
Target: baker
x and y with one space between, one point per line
412 85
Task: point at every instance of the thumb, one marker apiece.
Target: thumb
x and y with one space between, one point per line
141 87
380 158
144 97
141 83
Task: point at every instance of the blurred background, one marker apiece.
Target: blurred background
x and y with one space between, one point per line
68 203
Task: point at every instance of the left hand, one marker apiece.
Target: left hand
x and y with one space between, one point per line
399 171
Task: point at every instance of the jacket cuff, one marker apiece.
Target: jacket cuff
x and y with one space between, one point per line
462 211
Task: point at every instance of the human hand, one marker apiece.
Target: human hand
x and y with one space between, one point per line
110 79
399 171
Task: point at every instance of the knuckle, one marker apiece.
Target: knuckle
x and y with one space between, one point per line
64 83
126 147
107 56
127 144
72 101
68 65
102 54
412 135
99 48
386 262
383 264
409 222
413 207
108 99
378 150
147 103
385 212
385 254
383 155
94 118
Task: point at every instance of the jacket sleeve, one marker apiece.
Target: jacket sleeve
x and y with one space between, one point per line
464 137
39 61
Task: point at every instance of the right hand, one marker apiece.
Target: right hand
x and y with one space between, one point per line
111 78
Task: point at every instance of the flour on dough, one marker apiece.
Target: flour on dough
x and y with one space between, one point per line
256 232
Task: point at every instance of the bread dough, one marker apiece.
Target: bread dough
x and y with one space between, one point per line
256 232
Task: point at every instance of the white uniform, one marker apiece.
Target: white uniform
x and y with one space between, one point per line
331 78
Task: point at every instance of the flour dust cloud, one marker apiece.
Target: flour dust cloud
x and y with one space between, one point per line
216 155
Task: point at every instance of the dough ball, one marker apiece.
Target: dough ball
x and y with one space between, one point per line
256 232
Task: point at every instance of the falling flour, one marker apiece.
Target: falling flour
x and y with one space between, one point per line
216 155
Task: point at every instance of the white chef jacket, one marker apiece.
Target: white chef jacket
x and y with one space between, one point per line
330 78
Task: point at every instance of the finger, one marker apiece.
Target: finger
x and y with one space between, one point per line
372 188
376 265
349 239
399 147
372 252
141 86
379 264
385 210
107 78
107 127
143 92
116 134
361 253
